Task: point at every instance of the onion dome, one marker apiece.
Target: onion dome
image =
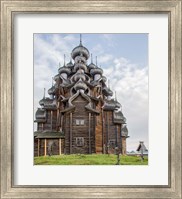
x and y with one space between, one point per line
91 65
107 91
80 66
124 131
80 59
78 76
104 78
41 102
95 71
45 101
70 64
64 69
110 93
52 90
40 114
117 104
118 117
80 86
48 103
56 77
109 105
80 50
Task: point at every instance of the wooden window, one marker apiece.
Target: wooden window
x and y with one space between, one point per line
79 141
79 122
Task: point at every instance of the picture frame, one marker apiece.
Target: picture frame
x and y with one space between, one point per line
8 10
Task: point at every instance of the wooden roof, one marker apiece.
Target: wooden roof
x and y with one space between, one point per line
141 146
49 134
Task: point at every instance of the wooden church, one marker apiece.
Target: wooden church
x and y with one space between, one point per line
80 116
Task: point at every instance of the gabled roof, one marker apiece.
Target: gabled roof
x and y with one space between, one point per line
141 147
52 90
40 113
40 120
119 117
48 103
110 104
107 91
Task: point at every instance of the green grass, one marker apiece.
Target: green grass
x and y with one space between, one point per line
94 159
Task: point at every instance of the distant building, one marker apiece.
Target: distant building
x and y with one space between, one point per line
142 148
79 116
131 153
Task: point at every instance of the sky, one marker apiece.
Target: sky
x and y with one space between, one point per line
124 60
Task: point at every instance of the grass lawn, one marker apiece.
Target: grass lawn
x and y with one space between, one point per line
94 159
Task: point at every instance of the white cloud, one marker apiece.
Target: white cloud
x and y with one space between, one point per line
97 50
104 59
131 83
108 38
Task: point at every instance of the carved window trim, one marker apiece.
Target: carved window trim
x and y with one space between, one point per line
79 141
80 122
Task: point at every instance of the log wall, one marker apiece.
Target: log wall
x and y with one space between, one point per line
54 120
35 147
111 130
123 145
77 131
50 123
98 132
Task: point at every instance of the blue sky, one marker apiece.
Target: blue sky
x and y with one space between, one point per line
124 59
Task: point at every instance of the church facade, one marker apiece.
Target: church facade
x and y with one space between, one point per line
80 116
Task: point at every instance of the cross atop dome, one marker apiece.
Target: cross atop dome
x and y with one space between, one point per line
80 50
80 39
